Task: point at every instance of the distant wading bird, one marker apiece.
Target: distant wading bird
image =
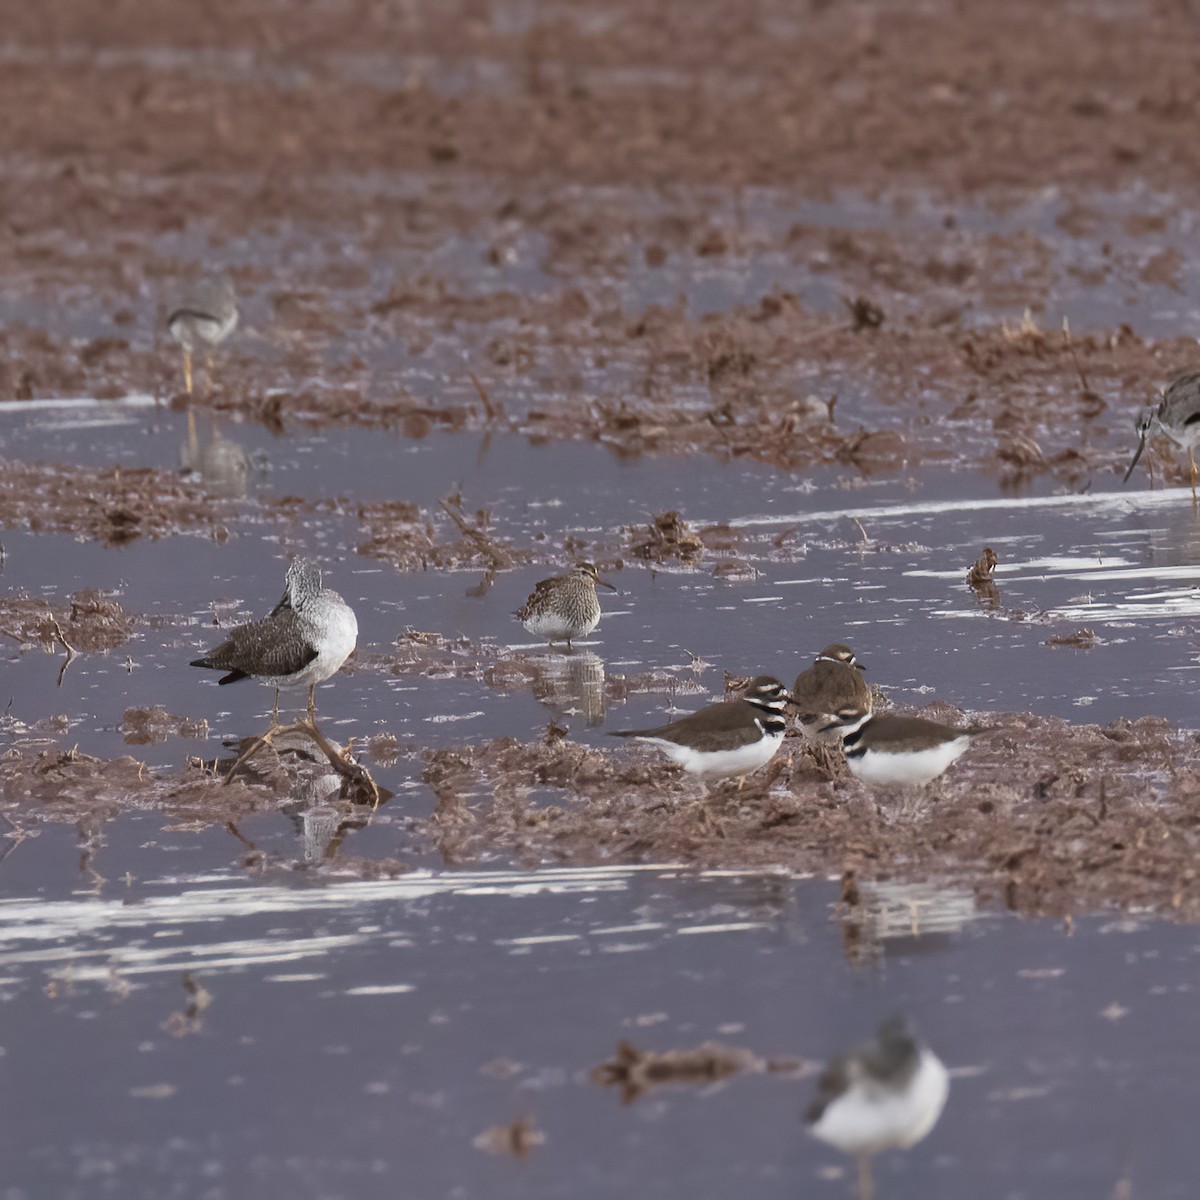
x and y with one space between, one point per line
1176 416
887 1094
205 316
734 737
564 607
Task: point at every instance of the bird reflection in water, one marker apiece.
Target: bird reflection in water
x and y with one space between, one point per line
570 684
878 917
221 466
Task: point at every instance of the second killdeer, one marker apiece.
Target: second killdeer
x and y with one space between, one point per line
887 1094
893 750
731 738
565 607
835 681
1176 416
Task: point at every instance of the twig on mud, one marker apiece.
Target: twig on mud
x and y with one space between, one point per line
72 653
501 560
865 538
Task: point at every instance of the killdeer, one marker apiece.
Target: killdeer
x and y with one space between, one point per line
833 682
888 749
731 738
564 607
887 1094
304 640
205 316
1176 416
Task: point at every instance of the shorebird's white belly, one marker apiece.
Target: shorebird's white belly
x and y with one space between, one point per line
556 628
720 764
907 768
335 643
871 1117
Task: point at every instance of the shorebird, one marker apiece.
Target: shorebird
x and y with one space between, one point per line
731 738
205 316
564 607
1176 416
304 640
887 1094
833 682
887 749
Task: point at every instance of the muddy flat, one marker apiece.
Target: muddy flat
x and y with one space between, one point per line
784 318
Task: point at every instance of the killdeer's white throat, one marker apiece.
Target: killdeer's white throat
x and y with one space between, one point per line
204 317
1176 416
887 1094
892 750
731 738
565 607
304 640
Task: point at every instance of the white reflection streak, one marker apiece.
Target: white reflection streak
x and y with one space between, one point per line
78 938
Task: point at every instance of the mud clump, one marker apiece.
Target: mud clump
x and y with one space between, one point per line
153 726
667 537
636 1071
92 622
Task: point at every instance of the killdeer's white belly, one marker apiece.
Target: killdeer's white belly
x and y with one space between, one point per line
720 764
906 766
871 1116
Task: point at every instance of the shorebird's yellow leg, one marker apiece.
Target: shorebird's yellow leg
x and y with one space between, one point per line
208 368
866 1185
275 710
187 371
312 703
1192 463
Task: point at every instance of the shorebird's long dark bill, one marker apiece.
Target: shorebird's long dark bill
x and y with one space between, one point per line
1136 456
605 583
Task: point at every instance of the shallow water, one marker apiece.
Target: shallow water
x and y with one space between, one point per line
360 1035
346 1050
1122 564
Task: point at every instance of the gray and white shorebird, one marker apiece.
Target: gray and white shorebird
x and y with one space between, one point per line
303 641
888 749
887 1094
835 681
565 607
731 738
204 317
1175 416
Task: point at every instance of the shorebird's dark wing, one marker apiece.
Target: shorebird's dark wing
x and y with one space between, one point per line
725 726
835 1080
889 733
273 646
537 598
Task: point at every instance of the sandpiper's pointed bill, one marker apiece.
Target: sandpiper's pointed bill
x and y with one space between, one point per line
887 1094
731 738
1175 416
304 640
886 749
833 682
565 607
204 317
